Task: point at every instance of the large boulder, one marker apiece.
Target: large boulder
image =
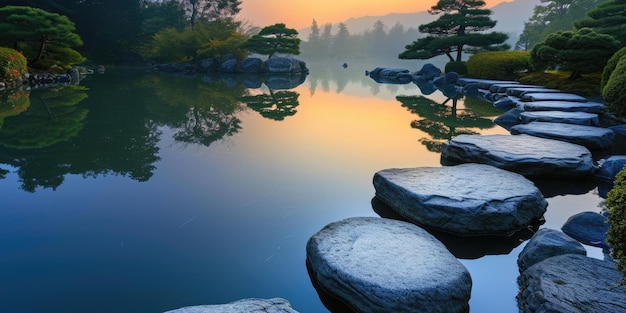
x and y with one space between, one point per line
429 71
588 228
523 154
566 106
509 119
466 200
609 167
589 136
571 283
229 66
576 118
275 305
547 243
383 265
251 66
285 65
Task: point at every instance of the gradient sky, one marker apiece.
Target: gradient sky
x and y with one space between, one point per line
300 13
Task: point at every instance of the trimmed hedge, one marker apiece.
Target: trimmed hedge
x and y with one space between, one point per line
457 67
613 92
498 64
12 64
616 235
610 66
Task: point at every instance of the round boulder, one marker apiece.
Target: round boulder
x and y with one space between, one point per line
466 200
588 228
383 265
275 305
547 243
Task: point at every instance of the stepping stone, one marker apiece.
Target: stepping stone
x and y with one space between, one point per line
547 96
502 88
383 265
577 118
465 200
572 283
276 305
566 106
523 154
520 91
547 243
589 136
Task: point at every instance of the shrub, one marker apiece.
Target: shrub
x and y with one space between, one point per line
610 66
12 64
613 92
458 67
616 235
498 64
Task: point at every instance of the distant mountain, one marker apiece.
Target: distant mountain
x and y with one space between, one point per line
509 15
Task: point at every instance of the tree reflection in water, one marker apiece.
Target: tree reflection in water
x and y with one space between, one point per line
276 105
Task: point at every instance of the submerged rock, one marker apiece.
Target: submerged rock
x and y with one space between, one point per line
547 243
466 200
589 136
572 283
275 305
523 154
383 265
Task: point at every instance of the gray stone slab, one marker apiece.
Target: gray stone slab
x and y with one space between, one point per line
520 91
589 136
547 243
566 106
577 118
383 265
547 96
523 154
466 200
571 283
503 87
275 305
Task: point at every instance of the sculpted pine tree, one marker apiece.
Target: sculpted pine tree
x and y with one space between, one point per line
274 39
458 30
608 17
35 32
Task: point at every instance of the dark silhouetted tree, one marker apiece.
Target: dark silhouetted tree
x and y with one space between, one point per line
274 39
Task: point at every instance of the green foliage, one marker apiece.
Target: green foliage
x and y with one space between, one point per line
12 64
610 66
458 67
581 51
458 30
588 85
616 235
498 64
613 92
274 39
552 16
212 39
609 17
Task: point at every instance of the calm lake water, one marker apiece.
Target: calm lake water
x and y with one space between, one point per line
138 192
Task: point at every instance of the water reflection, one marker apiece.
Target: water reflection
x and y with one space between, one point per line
442 122
275 105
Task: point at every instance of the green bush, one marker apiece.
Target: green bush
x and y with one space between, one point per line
498 64
12 64
616 235
458 67
610 66
613 92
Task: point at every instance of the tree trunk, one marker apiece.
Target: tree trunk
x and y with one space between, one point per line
42 47
459 53
575 75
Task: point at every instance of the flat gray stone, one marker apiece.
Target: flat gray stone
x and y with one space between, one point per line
503 87
571 283
550 96
383 265
520 91
466 200
547 243
523 154
566 106
589 136
275 305
576 118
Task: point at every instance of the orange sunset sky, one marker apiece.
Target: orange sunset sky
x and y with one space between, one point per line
300 13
